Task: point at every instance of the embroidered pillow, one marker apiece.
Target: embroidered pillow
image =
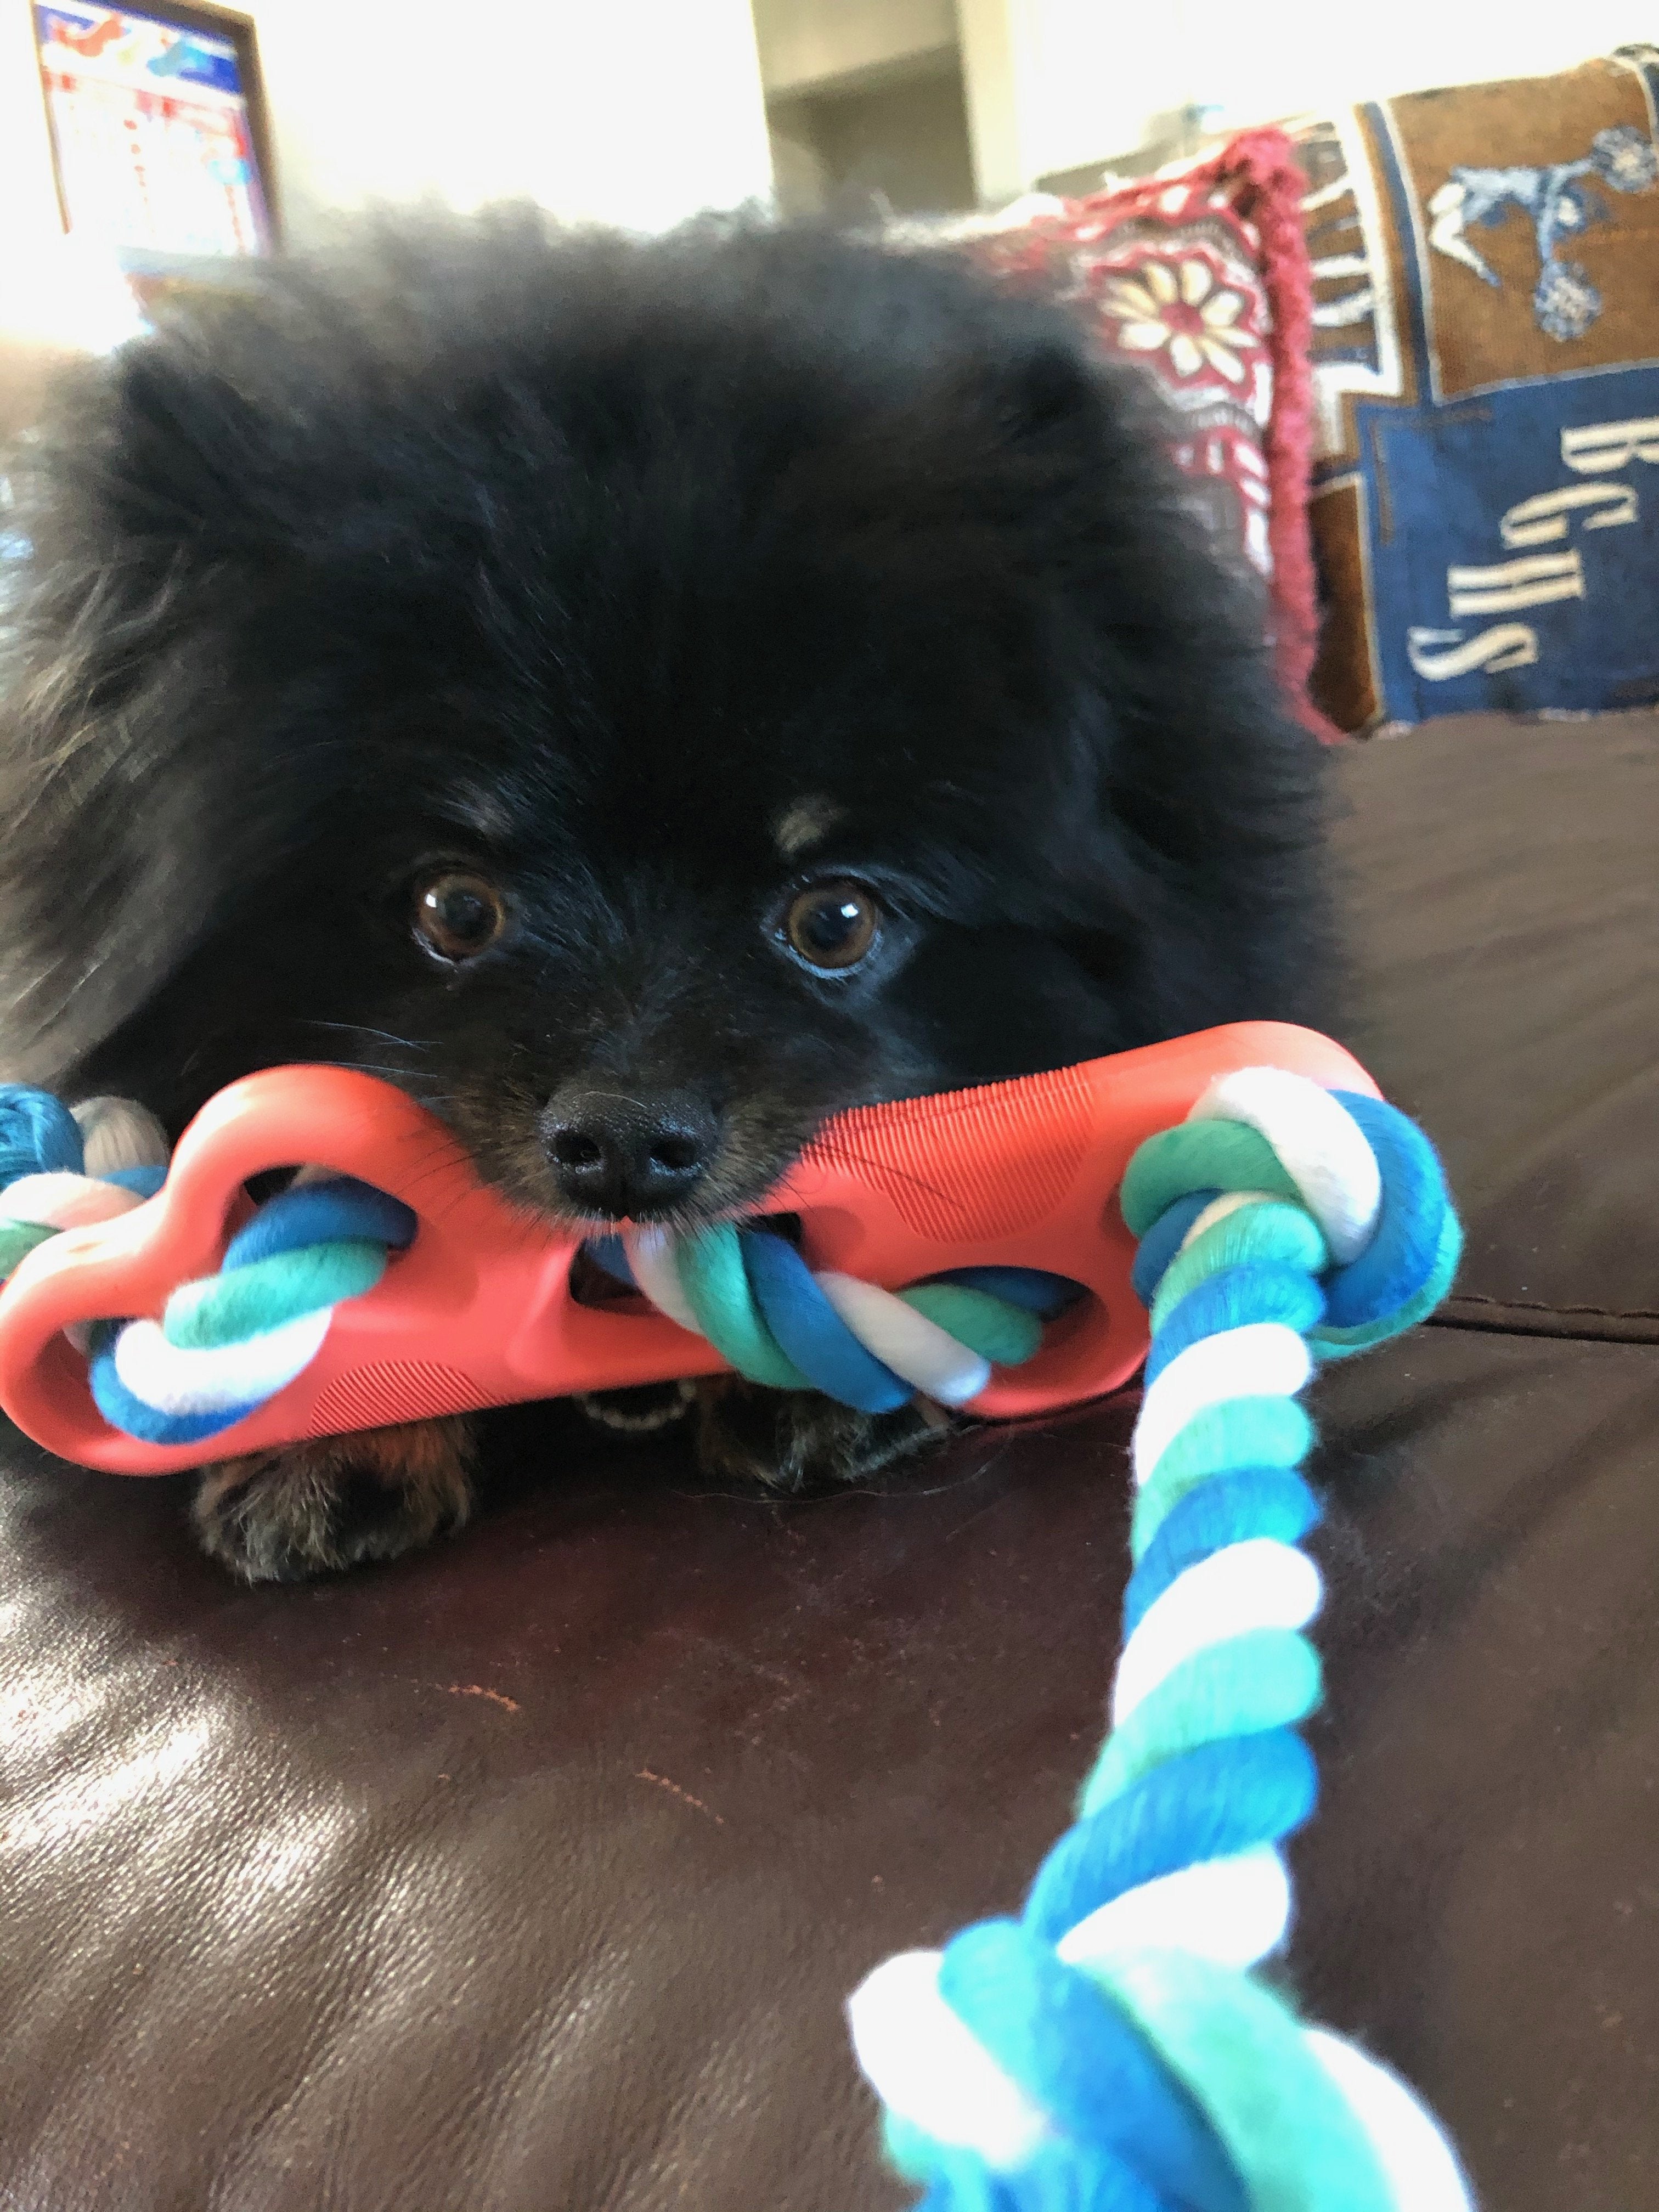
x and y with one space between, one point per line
1200 277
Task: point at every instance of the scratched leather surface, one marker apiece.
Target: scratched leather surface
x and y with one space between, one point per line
528 1875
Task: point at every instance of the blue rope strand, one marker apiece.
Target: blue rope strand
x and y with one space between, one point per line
1204 1804
1163 1240
39 1135
1204 1772
813 1334
1401 1257
1057 2034
148 1423
1253 1291
1229 1509
809 1332
144 1182
323 1213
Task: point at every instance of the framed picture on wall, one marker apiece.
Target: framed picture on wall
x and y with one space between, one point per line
158 131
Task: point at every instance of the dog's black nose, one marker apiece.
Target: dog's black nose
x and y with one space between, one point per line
618 1153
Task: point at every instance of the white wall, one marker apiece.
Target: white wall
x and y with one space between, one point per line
636 111
1089 74
1056 84
1303 54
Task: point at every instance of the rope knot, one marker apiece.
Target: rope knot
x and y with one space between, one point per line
1362 1176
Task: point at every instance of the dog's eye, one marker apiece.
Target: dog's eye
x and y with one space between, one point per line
832 927
458 915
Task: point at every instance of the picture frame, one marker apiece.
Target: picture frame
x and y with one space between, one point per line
160 133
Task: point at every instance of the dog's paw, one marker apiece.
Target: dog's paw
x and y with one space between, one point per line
796 1440
312 1509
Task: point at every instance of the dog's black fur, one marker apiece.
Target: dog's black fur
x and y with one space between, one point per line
652 583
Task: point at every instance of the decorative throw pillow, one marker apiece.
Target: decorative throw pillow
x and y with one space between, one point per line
1199 275
1486 353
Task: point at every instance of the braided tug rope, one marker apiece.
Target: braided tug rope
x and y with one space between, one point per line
1113 2049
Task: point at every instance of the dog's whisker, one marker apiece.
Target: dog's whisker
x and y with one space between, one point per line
364 1030
389 1067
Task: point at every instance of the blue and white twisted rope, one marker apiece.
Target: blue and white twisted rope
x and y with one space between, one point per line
779 1322
226 1344
1112 2048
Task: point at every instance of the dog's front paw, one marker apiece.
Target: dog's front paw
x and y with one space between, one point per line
798 1440
312 1509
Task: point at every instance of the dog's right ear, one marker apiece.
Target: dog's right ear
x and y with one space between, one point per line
178 443
153 453
112 857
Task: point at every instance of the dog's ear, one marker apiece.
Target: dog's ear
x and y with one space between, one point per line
1052 387
177 449
1203 812
158 456
112 857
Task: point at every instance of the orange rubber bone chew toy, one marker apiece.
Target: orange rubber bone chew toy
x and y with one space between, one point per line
477 1311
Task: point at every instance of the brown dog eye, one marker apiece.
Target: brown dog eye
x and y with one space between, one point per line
459 915
833 926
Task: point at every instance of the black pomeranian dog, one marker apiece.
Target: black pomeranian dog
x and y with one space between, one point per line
643 697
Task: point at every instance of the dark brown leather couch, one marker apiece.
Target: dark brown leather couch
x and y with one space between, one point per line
529 1875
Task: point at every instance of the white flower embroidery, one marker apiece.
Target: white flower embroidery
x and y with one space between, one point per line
1565 302
1626 157
1181 309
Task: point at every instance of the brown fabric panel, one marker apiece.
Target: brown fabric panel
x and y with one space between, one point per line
1483 335
1502 909
1343 685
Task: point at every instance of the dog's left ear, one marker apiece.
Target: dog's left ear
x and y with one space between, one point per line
1206 811
1055 387
1087 439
